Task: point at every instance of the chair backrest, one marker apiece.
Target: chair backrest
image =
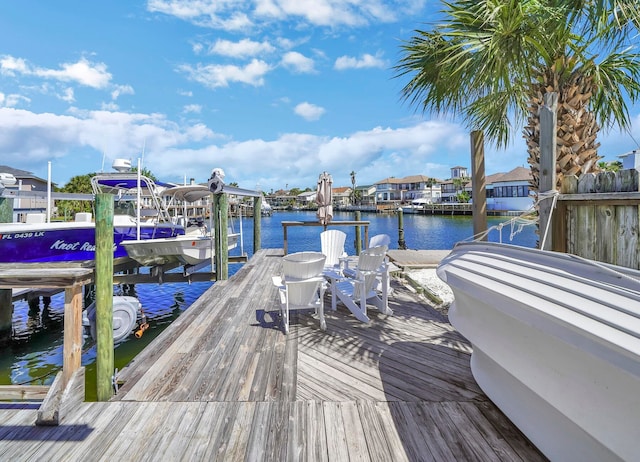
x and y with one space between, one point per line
370 259
303 265
303 293
369 263
379 239
332 244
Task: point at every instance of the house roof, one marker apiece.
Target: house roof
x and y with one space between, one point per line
406 179
16 172
517 174
341 190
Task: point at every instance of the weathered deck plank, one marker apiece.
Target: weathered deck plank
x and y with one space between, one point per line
224 383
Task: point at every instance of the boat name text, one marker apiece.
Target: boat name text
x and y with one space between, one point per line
62 245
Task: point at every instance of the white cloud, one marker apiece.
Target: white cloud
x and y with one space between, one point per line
68 95
374 154
364 62
85 73
12 100
242 49
82 72
214 76
297 62
12 66
238 15
122 90
192 108
309 111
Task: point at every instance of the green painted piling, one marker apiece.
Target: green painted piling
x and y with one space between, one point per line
6 210
257 217
358 242
402 245
104 296
220 219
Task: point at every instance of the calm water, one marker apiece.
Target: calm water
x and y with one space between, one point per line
36 353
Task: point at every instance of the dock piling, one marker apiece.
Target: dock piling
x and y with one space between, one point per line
104 296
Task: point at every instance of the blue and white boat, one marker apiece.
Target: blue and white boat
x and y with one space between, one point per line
139 214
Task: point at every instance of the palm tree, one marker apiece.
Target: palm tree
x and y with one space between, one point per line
76 184
493 61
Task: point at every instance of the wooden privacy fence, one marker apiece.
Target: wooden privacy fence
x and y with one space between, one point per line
597 217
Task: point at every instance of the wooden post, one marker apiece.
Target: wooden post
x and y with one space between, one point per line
104 296
72 348
358 240
548 145
284 238
257 217
221 236
6 316
478 185
402 245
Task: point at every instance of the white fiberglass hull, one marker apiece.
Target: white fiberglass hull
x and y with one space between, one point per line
556 345
186 249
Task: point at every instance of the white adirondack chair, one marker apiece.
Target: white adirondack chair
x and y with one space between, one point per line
375 241
302 285
332 245
379 239
360 290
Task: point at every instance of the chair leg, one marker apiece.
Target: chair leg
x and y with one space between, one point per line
358 312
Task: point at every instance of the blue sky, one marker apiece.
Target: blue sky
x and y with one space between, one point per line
274 92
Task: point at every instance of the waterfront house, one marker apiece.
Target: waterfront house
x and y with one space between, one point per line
306 199
366 196
509 191
341 196
392 191
26 181
631 160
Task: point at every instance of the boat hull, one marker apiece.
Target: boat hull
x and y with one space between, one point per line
188 250
67 242
556 345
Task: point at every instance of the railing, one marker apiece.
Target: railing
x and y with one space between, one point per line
357 223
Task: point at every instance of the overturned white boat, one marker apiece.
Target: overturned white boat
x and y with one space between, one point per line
556 345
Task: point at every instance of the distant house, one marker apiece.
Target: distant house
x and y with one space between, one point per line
509 191
631 160
306 199
26 181
394 191
341 196
366 195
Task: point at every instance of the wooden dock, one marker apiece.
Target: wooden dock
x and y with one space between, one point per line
224 383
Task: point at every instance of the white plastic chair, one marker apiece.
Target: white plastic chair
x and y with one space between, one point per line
301 286
375 241
379 239
332 245
356 292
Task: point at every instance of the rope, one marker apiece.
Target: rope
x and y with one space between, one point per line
544 196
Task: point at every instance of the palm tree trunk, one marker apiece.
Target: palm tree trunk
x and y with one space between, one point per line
577 150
